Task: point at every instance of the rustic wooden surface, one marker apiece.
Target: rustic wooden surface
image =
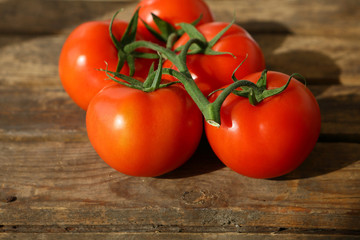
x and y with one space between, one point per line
54 186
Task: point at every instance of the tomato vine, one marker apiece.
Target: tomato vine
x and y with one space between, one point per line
166 85
196 44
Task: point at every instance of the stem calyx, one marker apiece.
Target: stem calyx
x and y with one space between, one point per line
128 37
167 32
206 46
258 92
152 82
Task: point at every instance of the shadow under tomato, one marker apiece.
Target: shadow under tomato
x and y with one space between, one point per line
325 158
203 161
315 66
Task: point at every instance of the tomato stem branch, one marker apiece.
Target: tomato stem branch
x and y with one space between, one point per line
211 111
183 75
171 40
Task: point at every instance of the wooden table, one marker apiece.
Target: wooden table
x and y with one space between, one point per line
54 186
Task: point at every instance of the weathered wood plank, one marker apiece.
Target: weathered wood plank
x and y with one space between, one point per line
324 17
321 59
167 236
53 185
42 114
28 61
32 61
43 17
321 17
61 183
340 112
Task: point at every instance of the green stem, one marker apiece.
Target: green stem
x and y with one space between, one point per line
158 76
121 61
184 52
139 44
171 40
192 89
214 107
211 111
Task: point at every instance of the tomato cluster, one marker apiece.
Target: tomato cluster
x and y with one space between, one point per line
150 118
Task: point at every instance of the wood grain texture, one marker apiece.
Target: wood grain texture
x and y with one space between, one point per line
166 236
38 17
321 59
321 17
39 114
69 184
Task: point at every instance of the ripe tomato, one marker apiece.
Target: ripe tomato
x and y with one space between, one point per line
210 72
87 49
144 134
173 12
271 138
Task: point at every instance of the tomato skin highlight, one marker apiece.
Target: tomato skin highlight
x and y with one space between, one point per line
174 11
211 72
272 138
144 134
87 49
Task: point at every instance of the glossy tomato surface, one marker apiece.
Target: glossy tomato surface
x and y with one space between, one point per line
85 51
144 134
212 72
174 11
272 138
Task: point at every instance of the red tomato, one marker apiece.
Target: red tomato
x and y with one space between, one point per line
269 139
173 12
139 133
87 49
212 72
